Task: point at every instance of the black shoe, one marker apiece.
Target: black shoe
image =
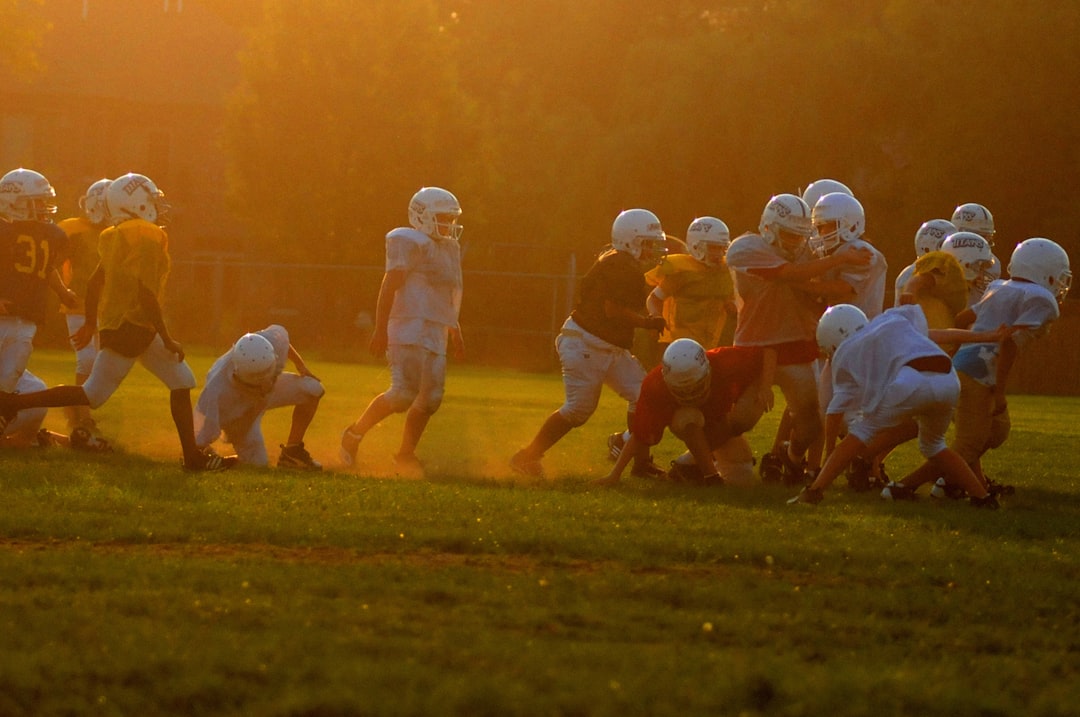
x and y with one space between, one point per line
298 458
998 489
684 473
794 472
942 489
647 469
987 501
615 443
898 491
82 439
771 469
209 461
858 475
808 495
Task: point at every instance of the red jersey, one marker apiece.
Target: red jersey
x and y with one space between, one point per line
732 369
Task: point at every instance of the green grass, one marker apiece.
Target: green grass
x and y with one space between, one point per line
128 587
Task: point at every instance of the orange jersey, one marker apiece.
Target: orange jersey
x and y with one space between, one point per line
82 258
134 254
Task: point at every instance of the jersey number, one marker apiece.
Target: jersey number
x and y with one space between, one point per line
32 255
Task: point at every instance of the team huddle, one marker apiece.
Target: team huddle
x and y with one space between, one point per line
806 293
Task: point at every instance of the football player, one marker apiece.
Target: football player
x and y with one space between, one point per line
123 306
887 371
82 257
708 399
780 288
415 319
595 341
928 238
244 383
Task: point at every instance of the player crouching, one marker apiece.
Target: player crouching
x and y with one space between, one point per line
708 399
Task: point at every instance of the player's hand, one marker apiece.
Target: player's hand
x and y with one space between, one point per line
655 323
457 344
69 299
303 370
6 306
83 336
173 347
855 255
765 396
378 344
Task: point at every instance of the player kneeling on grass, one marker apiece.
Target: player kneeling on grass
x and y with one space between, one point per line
243 384
708 399
887 372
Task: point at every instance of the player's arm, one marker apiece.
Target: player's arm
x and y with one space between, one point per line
795 272
654 302
633 445
85 333
392 281
149 303
56 283
298 362
641 321
834 426
457 342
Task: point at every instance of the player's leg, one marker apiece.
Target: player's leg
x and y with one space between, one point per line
427 402
303 393
406 365
80 416
625 375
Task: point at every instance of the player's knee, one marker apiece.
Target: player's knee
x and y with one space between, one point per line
312 387
399 399
430 402
98 391
575 416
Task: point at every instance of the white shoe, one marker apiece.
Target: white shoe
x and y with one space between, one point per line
350 442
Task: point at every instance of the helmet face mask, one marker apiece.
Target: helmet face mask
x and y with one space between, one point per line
785 223
837 218
836 325
686 371
638 233
1043 262
435 212
26 195
707 240
974 255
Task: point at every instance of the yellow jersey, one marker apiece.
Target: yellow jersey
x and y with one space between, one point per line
82 258
133 254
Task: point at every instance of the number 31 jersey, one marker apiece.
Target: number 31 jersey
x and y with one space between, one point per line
29 252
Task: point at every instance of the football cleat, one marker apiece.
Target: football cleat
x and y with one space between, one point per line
997 489
210 462
771 469
988 501
808 495
82 439
684 473
615 443
297 457
898 491
794 473
408 466
350 443
647 469
942 489
522 463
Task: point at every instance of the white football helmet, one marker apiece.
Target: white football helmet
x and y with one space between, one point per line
25 195
1043 262
435 211
837 324
817 190
93 204
638 233
973 253
254 362
686 371
707 240
972 217
842 218
931 234
789 214
134 196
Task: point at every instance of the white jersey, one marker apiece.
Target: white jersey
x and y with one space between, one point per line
229 406
867 363
867 281
428 303
901 281
770 312
1010 303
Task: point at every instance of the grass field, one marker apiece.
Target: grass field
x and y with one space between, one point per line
128 587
